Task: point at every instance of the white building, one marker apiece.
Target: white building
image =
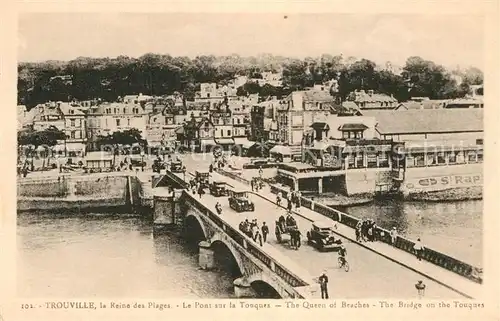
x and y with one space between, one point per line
108 118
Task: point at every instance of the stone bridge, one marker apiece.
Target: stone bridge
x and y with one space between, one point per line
259 272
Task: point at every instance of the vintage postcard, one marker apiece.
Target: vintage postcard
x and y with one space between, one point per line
184 163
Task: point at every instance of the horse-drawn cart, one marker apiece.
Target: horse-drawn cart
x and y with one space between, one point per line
283 228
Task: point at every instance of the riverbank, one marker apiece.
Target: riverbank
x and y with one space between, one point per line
341 200
449 195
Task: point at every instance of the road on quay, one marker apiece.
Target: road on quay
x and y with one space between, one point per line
370 275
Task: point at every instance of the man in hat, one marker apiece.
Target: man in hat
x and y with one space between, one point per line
420 286
323 284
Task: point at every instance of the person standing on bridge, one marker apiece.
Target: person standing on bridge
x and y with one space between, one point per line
358 231
394 236
278 200
419 248
289 204
323 284
265 231
218 208
420 286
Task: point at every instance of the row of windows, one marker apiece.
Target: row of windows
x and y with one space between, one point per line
352 134
373 160
448 158
117 110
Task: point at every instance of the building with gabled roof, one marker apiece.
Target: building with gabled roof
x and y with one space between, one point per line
371 100
429 124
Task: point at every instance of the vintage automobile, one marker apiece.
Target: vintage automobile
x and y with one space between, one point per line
202 178
218 189
176 166
283 228
321 236
239 202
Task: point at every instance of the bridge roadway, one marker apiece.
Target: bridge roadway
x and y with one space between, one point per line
370 276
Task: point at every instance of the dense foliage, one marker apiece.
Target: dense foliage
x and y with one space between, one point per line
154 74
46 138
127 137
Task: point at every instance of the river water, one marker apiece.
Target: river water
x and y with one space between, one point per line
454 228
102 255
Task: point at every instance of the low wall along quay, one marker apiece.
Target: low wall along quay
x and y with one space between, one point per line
82 192
435 257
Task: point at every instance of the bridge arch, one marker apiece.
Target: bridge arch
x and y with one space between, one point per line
264 287
225 255
264 290
194 229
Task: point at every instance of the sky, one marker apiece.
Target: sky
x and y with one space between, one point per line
449 40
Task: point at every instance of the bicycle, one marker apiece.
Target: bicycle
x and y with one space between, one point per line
343 263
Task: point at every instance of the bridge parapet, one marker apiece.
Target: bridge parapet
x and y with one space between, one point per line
440 259
246 243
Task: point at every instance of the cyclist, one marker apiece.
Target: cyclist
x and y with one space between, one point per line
342 254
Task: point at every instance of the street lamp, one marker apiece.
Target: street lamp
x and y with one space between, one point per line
142 160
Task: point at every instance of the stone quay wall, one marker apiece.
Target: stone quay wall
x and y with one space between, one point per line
84 191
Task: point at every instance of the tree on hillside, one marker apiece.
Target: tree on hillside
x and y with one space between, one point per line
248 89
360 75
158 74
427 79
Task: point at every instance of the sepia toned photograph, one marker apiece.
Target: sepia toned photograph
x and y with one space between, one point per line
249 155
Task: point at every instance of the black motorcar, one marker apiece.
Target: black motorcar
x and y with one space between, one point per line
239 202
322 237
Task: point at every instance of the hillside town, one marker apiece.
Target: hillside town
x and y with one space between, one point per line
219 117
274 158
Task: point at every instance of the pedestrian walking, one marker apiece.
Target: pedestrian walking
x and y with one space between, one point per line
289 205
293 240
278 200
200 191
323 284
420 286
252 183
265 231
298 201
298 234
261 172
255 231
419 248
258 237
